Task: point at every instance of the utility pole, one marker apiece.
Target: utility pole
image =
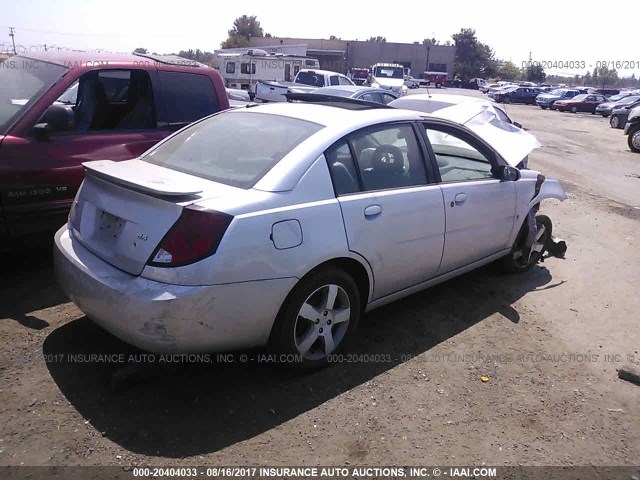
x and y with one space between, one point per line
13 41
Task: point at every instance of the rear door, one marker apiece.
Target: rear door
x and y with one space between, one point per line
42 175
393 216
480 209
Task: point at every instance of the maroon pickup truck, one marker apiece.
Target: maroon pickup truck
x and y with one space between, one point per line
59 109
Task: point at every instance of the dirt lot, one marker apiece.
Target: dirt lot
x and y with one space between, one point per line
549 341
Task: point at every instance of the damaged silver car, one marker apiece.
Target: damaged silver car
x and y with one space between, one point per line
282 224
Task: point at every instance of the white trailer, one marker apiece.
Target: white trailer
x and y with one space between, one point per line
243 69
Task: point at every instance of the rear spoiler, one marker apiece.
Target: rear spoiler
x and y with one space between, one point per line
144 177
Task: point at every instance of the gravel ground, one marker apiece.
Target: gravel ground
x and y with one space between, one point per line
549 342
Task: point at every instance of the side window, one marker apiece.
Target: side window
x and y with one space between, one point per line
371 97
333 80
244 68
342 168
458 161
188 96
389 157
70 96
111 100
344 81
231 67
386 98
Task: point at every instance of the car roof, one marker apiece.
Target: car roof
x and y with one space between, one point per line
326 114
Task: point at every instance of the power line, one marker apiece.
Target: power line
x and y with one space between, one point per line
51 32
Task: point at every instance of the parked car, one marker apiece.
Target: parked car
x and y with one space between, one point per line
546 100
299 218
632 130
619 116
516 95
368 94
486 87
580 103
493 90
411 82
605 108
59 109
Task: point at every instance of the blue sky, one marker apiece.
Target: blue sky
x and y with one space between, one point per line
513 29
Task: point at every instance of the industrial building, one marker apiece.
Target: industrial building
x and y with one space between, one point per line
340 55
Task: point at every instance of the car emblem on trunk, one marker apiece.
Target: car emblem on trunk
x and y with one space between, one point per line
142 236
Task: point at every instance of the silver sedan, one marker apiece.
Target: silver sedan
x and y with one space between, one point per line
281 224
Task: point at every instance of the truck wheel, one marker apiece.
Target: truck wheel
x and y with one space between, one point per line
634 139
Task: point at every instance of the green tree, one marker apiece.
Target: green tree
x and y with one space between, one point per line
535 73
607 77
244 28
587 79
430 41
141 50
333 37
473 58
377 39
508 71
197 55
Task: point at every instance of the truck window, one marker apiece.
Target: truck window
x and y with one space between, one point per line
188 96
344 81
244 68
111 100
333 80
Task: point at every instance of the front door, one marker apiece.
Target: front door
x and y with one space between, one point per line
479 209
393 217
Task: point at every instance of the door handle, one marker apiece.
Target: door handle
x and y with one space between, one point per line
372 210
461 198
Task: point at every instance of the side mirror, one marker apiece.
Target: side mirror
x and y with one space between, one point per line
517 124
57 118
507 173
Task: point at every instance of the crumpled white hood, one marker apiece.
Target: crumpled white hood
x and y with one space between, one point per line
511 142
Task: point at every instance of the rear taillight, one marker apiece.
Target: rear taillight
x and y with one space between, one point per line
194 236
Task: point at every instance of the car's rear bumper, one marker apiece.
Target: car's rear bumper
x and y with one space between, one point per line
164 318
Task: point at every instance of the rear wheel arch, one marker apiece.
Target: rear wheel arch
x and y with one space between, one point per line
361 274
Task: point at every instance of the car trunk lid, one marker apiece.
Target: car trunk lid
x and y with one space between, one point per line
124 209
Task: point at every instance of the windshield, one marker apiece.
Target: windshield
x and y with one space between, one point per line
389 72
627 100
22 82
234 148
360 73
557 91
581 97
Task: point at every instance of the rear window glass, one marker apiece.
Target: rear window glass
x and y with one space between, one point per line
188 96
234 148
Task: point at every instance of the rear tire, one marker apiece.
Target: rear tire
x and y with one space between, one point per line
332 297
614 121
519 260
543 107
574 109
